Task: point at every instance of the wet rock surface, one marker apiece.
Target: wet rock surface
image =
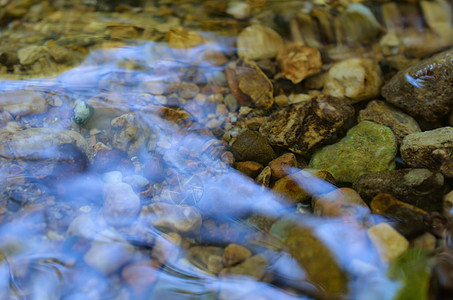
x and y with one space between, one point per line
367 147
388 242
425 88
301 126
179 218
251 145
121 204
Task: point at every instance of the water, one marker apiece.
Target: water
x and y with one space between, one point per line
82 204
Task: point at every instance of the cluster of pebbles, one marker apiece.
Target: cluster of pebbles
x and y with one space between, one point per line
231 149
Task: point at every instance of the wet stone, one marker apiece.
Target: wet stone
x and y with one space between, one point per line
301 126
425 241
424 89
264 177
200 256
252 146
343 202
235 254
30 54
82 112
388 242
254 267
279 166
447 207
121 204
367 147
249 168
382 113
419 187
179 218
22 103
430 149
129 135
258 42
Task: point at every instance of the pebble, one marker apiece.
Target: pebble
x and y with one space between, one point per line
419 187
252 146
200 256
121 204
238 9
127 134
30 54
367 147
357 79
82 112
343 202
254 267
230 102
178 218
301 126
388 242
188 90
279 166
22 103
385 114
235 254
298 61
249 168
430 149
258 42
167 248
425 241
137 182
447 207
424 89
264 177
140 275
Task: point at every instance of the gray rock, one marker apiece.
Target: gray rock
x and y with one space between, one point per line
424 89
385 114
301 126
430 149
82 112
420 187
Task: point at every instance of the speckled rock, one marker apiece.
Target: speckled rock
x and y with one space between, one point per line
249 84
355 78
22 103
301 126
121 204
388 242
420 187
279 166
430 149
235 254
385 114
258 42
179 218
82 112
424 89
298 61
367 147
251 145
129 134
254 267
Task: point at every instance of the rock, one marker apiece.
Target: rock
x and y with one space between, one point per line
430 149
251 145
249 84
154 168
258 42
179 218
382 113
419 187
123 32
388 242
300 186
121 204
238 9
46 151
215 264
343 202
424 89
235 254
82 112
167 247
61 55
249 168
188 90
200 256
367 147
254 267
137 182
447 207
231 102
264 177
140 275
359 24
108 253
112 176
355 78
298 61
301 126
406 219
128 134
30 54
425 241
316 259
22 103
279 166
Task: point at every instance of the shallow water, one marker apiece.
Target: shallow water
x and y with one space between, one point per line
66 235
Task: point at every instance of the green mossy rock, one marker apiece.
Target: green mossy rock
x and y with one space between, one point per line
367 147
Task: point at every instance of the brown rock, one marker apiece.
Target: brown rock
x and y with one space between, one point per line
123 32
121 204
249 168
235 254
382 113
140 275
129 134
252 146
254 267
298 61
258 42
200 256
388 242
264 177
447 207
419 187
279 166
179 218
22 103
301 126
424 89
343 202
430 149
249 84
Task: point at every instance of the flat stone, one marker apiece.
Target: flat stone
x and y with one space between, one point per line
235 254
121 204
179 218
367 147
301 126
385 114
22 103
419 187
424 89
430 149
388 242
252 146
